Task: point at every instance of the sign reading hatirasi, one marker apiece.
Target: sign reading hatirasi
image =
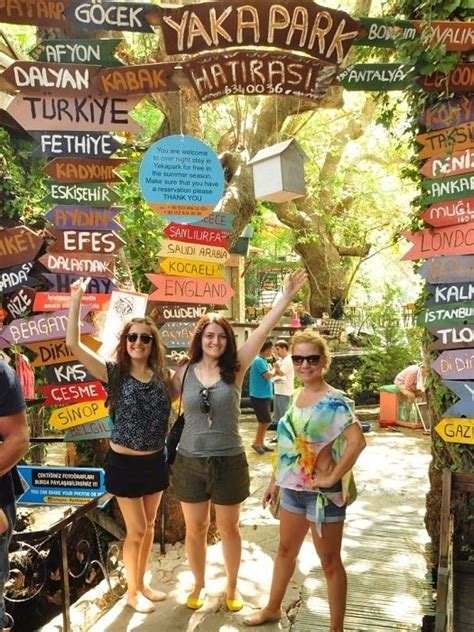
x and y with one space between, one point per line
449 113
87 144
303 26
460 162
437 242
452 188
110 16
256 72
447 269
446 141
98 52
60 485
376 77
450 213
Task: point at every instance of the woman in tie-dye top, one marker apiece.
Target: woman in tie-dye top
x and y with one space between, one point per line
319 440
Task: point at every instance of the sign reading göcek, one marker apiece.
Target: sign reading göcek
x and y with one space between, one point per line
181 178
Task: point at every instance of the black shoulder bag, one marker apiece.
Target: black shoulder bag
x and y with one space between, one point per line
176 430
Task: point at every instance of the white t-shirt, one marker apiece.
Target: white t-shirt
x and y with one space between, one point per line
285 384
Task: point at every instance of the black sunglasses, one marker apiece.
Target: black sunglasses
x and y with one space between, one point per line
312 360
204 404
145 338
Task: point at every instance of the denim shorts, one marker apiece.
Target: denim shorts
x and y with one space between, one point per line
304 503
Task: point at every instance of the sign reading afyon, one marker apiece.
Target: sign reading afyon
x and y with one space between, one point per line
181 178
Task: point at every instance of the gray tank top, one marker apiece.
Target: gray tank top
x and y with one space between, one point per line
221 438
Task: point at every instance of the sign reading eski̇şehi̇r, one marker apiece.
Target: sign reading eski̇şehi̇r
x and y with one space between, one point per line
181 178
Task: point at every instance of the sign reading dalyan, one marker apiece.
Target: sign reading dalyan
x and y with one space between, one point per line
59 485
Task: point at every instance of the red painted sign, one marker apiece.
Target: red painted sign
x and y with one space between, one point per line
85 241
446 141
456 364
450 213
449 240
188 290
458 80
36 77
78 263
137 79
84 169
453 165
70 393
18 245
53 301
449 113
197 234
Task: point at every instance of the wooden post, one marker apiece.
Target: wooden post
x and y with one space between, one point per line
443 563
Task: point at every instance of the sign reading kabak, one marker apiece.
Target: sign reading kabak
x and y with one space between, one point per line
18 245
217 220
188 290
449 113
87 144
72 217
455 164
448 269
98 52
437 242
450 213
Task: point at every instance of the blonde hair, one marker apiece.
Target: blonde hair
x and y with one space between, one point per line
309 336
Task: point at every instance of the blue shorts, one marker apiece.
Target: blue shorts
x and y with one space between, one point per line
304 503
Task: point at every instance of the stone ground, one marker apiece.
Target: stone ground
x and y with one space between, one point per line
392 480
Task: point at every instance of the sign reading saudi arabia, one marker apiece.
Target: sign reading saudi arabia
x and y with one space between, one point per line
181 178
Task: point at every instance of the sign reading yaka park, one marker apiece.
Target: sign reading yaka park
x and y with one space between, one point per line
60 485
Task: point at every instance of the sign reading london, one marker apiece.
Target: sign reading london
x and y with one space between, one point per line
181 178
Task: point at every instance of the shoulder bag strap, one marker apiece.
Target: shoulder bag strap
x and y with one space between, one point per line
182 388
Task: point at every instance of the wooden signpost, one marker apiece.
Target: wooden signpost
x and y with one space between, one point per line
452 337
87 144
162 313
71 393
34 77
97 194
18 245
452 188
84 169
77 414
458 80
16 276
53 301
453 35
185 250
192 268
197 235
450 113
72 217
442 293
137 79
188 290
376 77
450 213
19 303
218 220
100 429
43 14
456 364
177 335
68 373
443 142
386 32
85 241
110 16
62 283
436 242
447 270
456 430
449 314
99 52
42 327
84 264
455 164
56 352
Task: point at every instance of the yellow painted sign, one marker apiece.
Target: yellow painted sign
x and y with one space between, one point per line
456 430
183 250
78 414
55 351
191 268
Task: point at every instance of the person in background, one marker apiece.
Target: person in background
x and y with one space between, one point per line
319 441
136 472
284 382
13 447
210 464
304 316
410 382
261 394
295 321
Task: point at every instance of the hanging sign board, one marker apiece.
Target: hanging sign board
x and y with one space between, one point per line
165 313
458 80
42 327
188 290
449 314
70 393
450 113
450 292
386 33
85 264
77 414
444 142
98 52
18 245
456 430
97 194
137 79
19 303
448 269
455 337
455 164
62 283
191 234
376 77
68 373
109 16
456 364
87 144
56 352
44 14
436 242
453 35
448 188
185 250
181 177
72 217
12 278
177 335
218 220
84 169
188 267
100 429
450 213
85 241
52 301
60 485
33 77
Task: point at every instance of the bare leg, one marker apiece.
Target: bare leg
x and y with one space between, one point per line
260 433
197 519
293 528
328 549
151 503
227 519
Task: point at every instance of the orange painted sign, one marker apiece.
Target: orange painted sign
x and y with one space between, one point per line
185 250
187 290
460 79
52 301
454 35
55 351
450 213
192 268
137 79
77 414
446 141
84 169
452 165
437 242
18 245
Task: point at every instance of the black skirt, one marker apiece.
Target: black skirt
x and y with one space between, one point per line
133 476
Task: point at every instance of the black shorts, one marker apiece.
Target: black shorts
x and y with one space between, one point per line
133 476
262 409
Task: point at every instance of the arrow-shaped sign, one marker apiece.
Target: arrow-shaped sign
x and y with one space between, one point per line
18 245
197 235
85 264
455 164
465 392
456 430
62 283
185 250
85 241
376 77
437 242
453 35
72 217
19 303
87 144
42 327
449 314
452 188
52 301
446 141
460 79
36 77
449 113
97 51
191 268
137 79
70 393
456 337
100 429
442 293
217 220
456 364
96 194
84 169
386 32
187 290
56 352
77 414
34 13
68 373
16 276
177 335
110 16
450 213
447 269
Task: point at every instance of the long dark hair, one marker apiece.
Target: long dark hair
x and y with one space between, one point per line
228 363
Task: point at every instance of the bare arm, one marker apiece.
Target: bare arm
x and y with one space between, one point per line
91 360
16 439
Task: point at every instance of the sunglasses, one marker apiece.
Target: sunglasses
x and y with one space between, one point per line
312 360
204 403
145 338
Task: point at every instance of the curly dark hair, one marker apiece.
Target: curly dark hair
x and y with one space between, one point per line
228 363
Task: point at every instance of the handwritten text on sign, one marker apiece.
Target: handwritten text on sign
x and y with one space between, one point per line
449 240
36 77
452 188
68 373
450 293
140 79
465 406
12 278
100 429
78 51
446 141
448 269
42 327
77 414
62 283
110 16
85 264
85 241
457 337
187 290
454 35
56 352
84 169
87 144
18 245
455 365
34 13
69 393
97 194
456 430
449 113
449 314
188 267
376 77
197 235
192 251
177 335
20 302
162 313
460 79
450 213
66 217
455 164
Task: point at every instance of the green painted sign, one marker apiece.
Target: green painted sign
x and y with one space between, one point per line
449 314
99 52
85 194
376 77
453 188
385 33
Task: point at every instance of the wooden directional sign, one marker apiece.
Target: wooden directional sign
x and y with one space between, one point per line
97 194
458 80
435 242
464 390
62 283
72 217
84 264
49 14
295 26
19 303
218 220
457 364
100 429
452 188
450 292
222 74
376 77
77 414
85 241
139 79
87 144
185 250
450 213
55 351
78 51
189 267
18 245
53 301
84 169
454 35
449 314
443 142
12 278
171 313
70 393
67 373
386 33
455 164
110 16
191 234
456 430
449 113
186 290
23 331
177 335
455 337
33 77
448 269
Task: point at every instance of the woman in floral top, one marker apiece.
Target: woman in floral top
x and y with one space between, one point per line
319 440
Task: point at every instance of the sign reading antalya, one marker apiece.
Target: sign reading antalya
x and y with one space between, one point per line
181 178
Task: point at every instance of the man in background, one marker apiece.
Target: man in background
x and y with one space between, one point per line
284 382
261 394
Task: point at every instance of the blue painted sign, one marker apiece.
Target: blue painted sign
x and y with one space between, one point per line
60 485
465 405
217 220
181 178
100 429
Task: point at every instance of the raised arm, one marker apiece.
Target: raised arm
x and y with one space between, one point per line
91 360
251 347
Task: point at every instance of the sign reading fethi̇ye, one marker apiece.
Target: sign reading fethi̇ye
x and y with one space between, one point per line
187 290
85 241
436 242
186 250
77 414
447 269
192 268
98 52
452 188
84 169
450 213
72 217
449 113
455 164
456 430
456 364
376 77
18 245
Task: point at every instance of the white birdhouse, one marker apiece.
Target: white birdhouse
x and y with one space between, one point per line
278 172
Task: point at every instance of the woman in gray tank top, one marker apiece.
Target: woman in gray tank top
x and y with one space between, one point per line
210 462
